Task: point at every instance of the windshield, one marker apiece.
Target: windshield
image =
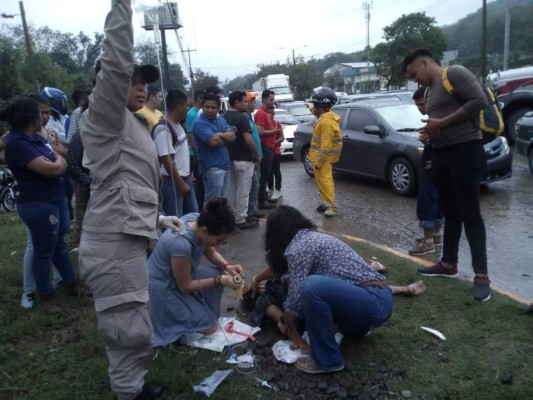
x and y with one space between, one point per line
286 119
281 90
402 117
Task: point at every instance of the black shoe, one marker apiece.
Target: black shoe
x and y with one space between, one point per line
258 214
252 219
271 201
266 206
247 225
149 392
322 208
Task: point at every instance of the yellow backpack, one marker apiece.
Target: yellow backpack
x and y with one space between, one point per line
490 119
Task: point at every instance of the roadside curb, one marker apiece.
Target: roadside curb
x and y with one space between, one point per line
428 263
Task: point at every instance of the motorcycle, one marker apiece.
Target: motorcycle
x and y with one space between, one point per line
8 190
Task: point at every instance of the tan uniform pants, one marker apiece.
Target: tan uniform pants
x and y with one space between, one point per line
113 266
324 181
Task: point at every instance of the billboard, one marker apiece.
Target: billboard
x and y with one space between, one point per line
168 17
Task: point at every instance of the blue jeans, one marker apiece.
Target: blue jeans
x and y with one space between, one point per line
428 204
215 183
49 225
28 281
354 309
174 203
254 192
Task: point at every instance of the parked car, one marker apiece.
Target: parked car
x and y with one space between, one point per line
289 124
380 141
514 91
524 139
394 96
299 110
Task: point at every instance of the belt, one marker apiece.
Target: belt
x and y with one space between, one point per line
170 178
374 283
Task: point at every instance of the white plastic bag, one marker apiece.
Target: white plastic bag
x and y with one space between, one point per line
209 384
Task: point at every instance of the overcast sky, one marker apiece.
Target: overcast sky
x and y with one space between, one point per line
232 37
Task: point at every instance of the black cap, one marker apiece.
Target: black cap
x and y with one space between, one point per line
149 72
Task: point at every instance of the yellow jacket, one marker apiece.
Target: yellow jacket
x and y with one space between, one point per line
326 144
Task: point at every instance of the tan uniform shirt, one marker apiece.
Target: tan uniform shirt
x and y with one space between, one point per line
119 151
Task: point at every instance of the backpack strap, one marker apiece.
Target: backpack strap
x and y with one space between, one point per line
446 82
167 125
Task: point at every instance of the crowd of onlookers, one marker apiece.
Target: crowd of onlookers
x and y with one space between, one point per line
116 147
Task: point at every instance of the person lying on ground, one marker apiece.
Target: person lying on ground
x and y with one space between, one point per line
185 295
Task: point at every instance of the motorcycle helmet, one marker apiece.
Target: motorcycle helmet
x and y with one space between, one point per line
57 99
323 97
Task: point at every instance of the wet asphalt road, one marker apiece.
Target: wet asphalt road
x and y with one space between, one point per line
369 209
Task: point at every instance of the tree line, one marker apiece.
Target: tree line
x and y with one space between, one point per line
66 60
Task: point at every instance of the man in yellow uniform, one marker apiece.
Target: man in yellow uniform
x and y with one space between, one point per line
326 146
151 106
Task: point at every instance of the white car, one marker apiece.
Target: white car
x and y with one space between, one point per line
289 124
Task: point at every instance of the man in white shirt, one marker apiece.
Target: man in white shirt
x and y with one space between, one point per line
173 151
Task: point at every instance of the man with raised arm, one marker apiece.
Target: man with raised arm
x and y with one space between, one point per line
122 213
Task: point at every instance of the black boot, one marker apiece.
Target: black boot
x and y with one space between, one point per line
149 392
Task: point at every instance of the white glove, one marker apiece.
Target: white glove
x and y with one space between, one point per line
171 222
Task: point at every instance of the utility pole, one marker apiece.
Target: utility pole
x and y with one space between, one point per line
191 75
293 50
29 48
484 42
366 8
507 36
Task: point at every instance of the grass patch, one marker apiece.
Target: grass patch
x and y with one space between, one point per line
44 357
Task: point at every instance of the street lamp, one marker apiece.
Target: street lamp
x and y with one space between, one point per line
293 49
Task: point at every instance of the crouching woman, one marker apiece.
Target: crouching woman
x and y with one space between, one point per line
184 295
329 285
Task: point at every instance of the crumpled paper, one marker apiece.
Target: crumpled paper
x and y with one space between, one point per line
218 340
283 352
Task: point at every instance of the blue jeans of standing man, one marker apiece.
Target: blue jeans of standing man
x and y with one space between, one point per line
215 183
354 309
174 203
254 192
49 225
428 204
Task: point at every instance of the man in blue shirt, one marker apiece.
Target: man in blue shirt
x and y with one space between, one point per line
212 133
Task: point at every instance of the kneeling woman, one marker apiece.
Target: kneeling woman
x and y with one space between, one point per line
184 295
329 285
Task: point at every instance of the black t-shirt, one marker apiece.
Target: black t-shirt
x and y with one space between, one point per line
238 150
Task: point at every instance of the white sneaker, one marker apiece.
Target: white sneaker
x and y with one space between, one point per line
27 300
276 194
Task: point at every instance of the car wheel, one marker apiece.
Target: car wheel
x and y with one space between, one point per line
308 165
531 161
402 177
511 124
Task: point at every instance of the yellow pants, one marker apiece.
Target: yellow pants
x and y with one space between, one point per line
324 181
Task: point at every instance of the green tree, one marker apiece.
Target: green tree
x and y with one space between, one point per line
335 81
147 52
11 58
204 79
407 33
